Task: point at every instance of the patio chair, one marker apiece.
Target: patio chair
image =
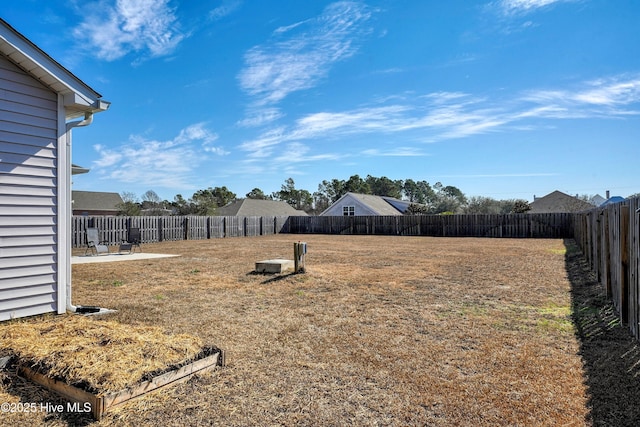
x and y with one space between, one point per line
94 245
133 241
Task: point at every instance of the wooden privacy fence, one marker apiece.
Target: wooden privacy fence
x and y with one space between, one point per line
113 229
511 225
610 240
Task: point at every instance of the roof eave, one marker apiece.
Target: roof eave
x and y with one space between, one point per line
79 97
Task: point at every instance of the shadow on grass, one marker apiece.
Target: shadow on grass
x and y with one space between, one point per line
45 401
276 276
611 356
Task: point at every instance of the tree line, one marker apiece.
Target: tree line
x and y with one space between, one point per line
424 197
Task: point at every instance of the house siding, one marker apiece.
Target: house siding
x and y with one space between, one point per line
28 195
360 208
364 205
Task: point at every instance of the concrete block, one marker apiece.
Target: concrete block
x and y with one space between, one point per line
274 266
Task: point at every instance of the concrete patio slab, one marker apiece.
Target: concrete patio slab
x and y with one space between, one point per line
115 257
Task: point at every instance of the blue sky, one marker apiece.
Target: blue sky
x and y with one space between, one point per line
500 98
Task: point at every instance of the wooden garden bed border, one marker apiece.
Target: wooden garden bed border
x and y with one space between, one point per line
101 403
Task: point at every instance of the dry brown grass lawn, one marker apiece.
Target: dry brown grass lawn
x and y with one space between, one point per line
379 331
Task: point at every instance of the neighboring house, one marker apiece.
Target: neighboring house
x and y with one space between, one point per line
613 199
355 204
558 202
95 203
598 200
258 207
39 98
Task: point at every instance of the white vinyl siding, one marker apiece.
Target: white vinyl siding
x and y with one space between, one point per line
28 195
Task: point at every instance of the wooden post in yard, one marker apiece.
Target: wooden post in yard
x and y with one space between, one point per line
299 251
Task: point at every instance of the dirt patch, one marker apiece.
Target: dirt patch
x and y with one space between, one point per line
381 330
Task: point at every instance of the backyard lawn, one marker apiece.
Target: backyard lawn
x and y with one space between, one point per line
380 330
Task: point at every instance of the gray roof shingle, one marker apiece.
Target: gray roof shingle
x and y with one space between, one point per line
257 207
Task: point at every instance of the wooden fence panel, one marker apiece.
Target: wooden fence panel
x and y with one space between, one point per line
512 225
430 225
111 229
149 227
385 225
267 225
624 260
283 224
633 242
610 239
606 252
216 227
170 228
252 226
197 227
78 227
234 226
614 255
341 225
406 225
313 224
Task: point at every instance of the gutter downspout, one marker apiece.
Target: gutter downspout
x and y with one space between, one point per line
88 119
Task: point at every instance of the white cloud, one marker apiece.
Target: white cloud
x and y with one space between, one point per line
510 7
356 121
289 27
395 152
226 8
261 117
602 97
299 153
505 175
611 93
108 158
263 144
168 164
448 115
115 30
278 68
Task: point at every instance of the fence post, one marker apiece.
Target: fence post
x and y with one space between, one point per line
624 262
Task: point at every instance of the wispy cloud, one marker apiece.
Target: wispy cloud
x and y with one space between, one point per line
291 160
511 7
448 115
612 97
300 153
226 8
376 119
158 163
395 152
261 117
302 54
113 30
262 145
505 175
286 28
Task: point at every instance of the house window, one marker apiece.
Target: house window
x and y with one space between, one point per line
348 210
